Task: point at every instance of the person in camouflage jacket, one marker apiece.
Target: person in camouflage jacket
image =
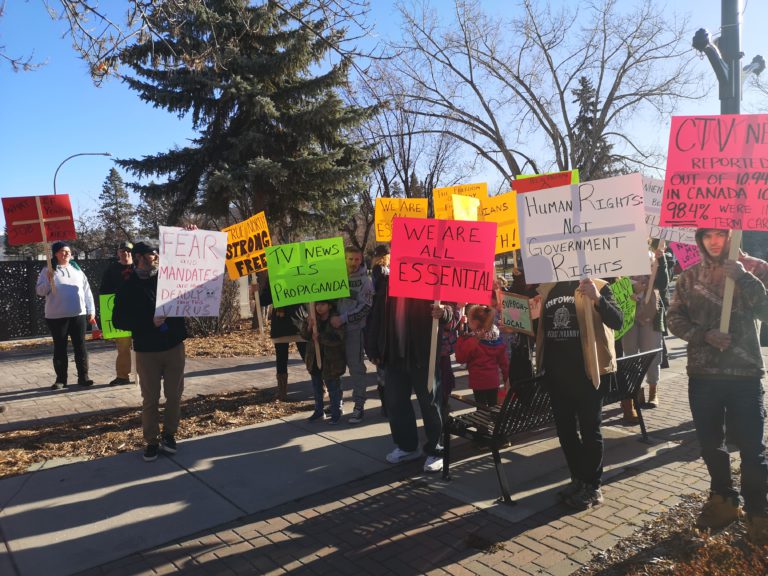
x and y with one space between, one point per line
725 390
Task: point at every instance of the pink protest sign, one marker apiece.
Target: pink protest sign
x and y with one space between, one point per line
33 219
717 172
687 254
442 260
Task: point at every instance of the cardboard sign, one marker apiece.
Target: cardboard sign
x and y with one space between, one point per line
516 313
465 208
388 208
191 272
308 271
442 260
502 209
589 230
106 305
24 215
652 192
717 172
246 244
530 182
686 254
443 197
624 294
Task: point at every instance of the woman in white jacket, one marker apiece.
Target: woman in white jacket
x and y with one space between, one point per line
68 309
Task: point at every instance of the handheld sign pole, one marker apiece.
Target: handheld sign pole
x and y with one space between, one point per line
48 254
433 351
133 363
313 315
654 271
257 304
733 254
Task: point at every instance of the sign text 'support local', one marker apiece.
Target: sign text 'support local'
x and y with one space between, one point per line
307 271
588 230
442 260
246 243
717 172
24 214
191 272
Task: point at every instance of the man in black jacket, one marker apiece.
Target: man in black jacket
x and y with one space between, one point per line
114 277
159 346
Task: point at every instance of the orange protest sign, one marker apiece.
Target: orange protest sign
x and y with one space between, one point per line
388 208
465 207
502 209
443 197
247 242
717 172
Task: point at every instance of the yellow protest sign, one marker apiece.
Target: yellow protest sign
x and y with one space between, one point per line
388 208
443 197
465 208
502 209
246 243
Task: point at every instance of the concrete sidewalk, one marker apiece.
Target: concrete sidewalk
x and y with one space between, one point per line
291 497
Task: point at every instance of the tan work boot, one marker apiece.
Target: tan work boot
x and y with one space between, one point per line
757 530
630 416
653 396
718 512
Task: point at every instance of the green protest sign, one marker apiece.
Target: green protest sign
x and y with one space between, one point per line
624 295
516 313
307 271
107 304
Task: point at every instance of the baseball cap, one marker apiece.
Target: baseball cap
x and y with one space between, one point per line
125 245
144 248
381 250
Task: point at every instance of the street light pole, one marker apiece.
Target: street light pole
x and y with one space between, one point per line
70 158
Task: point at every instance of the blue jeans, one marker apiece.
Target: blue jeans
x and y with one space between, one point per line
400 384
334 394
739 403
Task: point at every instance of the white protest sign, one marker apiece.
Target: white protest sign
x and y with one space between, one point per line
653 190
588 230
191 272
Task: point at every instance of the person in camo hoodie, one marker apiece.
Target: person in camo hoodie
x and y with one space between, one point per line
352 314
725 377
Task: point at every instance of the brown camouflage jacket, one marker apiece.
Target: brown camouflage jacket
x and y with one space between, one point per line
696 308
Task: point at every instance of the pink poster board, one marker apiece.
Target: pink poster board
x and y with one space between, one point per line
717 172
448 260
687 254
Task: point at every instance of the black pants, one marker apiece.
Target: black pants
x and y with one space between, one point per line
281 355
578 410
61 329
486 398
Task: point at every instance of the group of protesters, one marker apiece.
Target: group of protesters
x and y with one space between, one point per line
724 369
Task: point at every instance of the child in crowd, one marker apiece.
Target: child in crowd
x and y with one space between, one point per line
332 356
484 353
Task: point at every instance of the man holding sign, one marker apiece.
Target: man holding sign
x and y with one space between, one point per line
159 346
114 277
724 377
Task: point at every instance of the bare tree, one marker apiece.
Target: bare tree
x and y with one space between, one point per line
414 152
505 87
99 33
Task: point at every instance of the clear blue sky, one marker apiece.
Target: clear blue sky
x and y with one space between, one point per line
55 111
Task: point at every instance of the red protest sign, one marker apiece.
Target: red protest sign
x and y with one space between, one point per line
442 259
33 219
524 184
717 172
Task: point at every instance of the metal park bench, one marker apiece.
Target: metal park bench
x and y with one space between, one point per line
527 408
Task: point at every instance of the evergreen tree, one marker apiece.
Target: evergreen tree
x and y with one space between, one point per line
116 212
152 212
591 152
273 134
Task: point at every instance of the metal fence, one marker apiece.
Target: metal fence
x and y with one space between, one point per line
21 309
